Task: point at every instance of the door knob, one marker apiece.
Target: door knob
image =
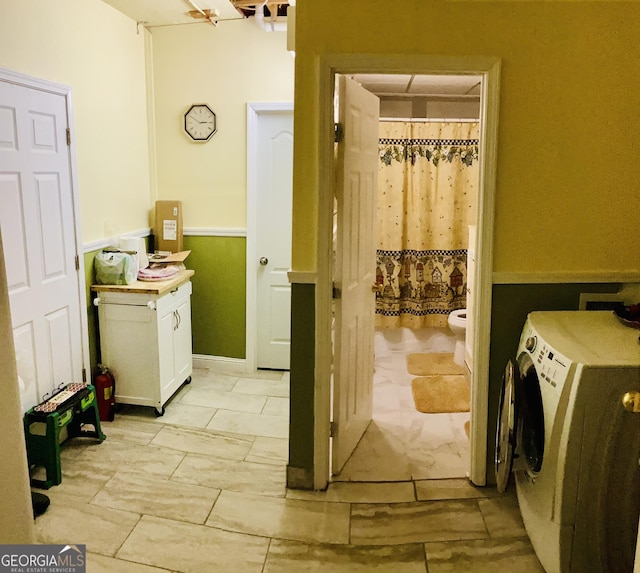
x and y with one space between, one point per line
631 402
264 261
375 287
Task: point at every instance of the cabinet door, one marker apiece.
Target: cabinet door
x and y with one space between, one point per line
166 330
182 341
128 345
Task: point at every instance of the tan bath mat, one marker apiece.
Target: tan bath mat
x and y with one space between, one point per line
432 363
438 394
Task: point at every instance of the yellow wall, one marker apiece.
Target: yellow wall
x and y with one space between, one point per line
568 176
225 67
97 51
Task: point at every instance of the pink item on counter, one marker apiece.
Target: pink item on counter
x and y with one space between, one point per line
159 273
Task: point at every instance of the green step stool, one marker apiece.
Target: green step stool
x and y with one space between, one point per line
72 407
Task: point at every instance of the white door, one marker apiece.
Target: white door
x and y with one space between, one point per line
38 232
274 204
356 189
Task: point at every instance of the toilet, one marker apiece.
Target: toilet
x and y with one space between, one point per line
458 325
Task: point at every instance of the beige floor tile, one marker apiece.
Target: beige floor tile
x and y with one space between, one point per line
232 475
202 442
289 557
502 516
189 548
151 495
390 524
126 428
276 406
299 520
266 387
222 399
208 379
119 456
360 492
101 529
100 564
461 488
265 374
82 479
483 556
433 450
265 450
255 424
178 414
379 456
72 448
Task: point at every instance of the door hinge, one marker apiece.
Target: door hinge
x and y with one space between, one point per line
336 293
77 259
84 374
68 136
338 135
333 429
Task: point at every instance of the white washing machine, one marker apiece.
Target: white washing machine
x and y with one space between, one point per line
567 423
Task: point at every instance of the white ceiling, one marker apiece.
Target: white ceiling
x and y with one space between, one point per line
174 12
168 12
410 85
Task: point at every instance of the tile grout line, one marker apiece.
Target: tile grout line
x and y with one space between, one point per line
266 555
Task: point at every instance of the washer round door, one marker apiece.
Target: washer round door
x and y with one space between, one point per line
530 436
506 427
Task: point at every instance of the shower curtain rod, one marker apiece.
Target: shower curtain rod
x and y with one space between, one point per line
431 119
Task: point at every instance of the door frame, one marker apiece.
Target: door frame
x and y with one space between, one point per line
253 111
16 78
489 69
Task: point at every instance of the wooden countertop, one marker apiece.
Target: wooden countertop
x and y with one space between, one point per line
148 287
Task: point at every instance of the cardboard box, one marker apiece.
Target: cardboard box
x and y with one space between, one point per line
179 257
168 227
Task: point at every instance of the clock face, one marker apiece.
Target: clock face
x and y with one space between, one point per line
200 122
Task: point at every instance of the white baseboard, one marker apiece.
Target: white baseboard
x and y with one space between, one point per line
220 364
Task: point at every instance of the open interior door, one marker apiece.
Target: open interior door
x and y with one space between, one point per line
37 221
356 192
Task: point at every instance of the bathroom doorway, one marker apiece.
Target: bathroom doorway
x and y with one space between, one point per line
403 443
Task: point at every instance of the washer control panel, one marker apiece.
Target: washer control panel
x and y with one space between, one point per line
551 366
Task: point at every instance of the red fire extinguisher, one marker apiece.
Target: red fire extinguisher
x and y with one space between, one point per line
105 385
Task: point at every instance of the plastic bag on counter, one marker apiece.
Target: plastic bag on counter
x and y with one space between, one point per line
115 268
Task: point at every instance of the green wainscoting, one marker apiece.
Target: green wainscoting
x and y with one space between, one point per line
92 312
301 401
218 302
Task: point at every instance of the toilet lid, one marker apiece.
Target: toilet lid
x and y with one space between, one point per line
506 427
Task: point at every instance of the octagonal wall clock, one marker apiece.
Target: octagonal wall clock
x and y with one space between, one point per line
200 122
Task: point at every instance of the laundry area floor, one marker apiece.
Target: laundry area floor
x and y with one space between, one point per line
202 489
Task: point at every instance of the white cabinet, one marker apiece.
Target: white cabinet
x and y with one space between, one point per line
145 338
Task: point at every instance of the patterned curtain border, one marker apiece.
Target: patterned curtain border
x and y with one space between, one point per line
420 283
434 150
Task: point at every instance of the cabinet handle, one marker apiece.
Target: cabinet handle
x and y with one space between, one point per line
179 319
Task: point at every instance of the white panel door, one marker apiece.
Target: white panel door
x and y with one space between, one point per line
38 232
274 204
356 189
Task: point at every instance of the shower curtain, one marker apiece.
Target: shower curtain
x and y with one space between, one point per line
427 197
